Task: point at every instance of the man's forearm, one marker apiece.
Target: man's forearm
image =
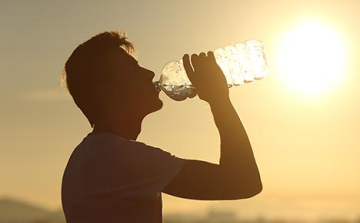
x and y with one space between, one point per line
237 162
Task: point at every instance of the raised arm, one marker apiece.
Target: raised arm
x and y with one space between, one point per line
237 176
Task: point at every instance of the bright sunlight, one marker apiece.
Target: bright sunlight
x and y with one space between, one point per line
311 58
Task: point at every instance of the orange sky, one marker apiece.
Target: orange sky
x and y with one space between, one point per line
306 147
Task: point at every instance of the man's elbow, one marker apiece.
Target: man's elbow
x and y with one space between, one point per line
252 191
242 192
256 190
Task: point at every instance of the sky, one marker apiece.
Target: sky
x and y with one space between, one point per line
306 145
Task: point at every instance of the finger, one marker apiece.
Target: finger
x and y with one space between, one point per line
211 58
195 61
188 69
202 57
210 55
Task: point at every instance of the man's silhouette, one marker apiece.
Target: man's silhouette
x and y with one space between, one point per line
110 177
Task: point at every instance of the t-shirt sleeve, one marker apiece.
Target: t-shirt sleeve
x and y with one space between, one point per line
163 167
145 167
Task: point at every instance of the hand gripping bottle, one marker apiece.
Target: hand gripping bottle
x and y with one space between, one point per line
242 63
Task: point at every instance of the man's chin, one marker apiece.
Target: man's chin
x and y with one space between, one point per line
159 104
156 106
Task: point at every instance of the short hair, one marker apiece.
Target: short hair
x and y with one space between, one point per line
90 63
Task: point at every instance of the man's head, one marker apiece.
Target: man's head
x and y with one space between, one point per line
102 76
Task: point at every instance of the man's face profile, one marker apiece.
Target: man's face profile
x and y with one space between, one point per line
133 85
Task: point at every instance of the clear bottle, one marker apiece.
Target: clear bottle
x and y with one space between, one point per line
242 63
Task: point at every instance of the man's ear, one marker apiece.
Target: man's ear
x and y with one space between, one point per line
110 93
105 90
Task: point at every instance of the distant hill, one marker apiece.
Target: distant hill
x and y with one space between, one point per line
15 211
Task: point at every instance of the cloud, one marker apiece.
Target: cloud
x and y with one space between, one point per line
47 95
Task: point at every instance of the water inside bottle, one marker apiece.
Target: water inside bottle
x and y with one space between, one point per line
242 63
179 92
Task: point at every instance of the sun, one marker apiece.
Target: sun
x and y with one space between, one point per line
311 58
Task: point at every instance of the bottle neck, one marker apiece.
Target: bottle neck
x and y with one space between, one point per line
157 86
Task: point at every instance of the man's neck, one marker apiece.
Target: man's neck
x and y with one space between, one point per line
126 128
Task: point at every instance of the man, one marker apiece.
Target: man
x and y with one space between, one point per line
110 177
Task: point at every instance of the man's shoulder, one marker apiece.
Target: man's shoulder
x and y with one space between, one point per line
106 140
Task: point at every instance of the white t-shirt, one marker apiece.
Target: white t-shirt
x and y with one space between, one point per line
109 179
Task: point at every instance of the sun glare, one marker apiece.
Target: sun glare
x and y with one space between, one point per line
311 58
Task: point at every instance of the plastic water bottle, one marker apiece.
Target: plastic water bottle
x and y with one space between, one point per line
242 63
